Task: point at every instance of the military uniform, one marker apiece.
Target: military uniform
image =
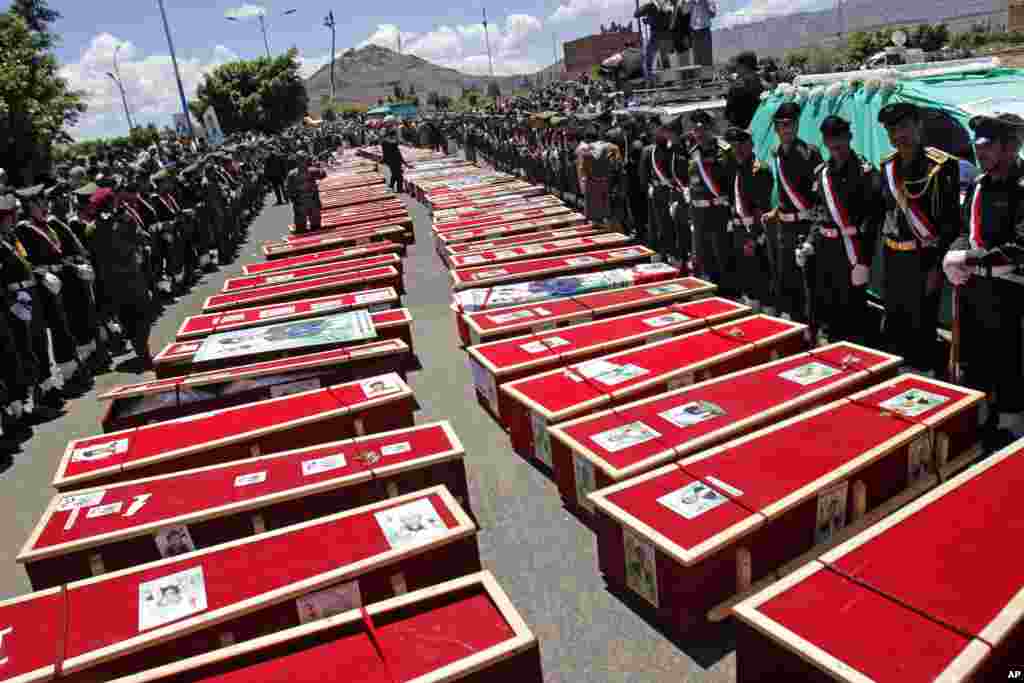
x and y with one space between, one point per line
661 232
922 217
750 198
711 173
794 174
848 202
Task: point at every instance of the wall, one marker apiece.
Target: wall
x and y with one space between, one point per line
582 54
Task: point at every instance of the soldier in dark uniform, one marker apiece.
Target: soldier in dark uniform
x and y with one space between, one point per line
637 190
920 186
991 248
46 254
710 172
117 239
681 243
794 162
166 243
304 194
744 94
658 160
848 199
750 197
216 213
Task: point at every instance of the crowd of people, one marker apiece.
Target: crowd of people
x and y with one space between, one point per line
91 253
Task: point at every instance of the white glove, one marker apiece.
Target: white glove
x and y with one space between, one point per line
859 276
650 191
85 272
52 283
954 266
802 253
672 209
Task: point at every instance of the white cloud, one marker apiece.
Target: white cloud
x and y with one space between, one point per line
148 82
610 10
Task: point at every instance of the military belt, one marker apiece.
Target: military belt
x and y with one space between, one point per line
896 245
795 217
706 203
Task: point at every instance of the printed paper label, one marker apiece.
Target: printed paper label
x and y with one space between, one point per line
232 318
665 289
506 253
396 448
631 251
104 510
329 602
371 297
665 320
622 373
320 465
174 540
100 451
534 347
913 402
276 279
582 261
641 566
484 274
80 500
327 305
485 383
294 387
473 258
541 439
250 479
625 436
509 317
831 511
411 523
586 481
274 312
171 597
539 310
692 413
693 500
808 374
921 459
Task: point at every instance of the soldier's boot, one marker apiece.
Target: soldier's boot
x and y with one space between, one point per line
141 346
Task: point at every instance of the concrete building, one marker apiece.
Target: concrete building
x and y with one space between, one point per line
582 54
1015 21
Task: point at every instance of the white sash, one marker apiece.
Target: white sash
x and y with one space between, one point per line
705 176
846 230
915 217
801 204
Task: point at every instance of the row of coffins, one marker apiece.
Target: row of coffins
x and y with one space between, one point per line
274 516
720 462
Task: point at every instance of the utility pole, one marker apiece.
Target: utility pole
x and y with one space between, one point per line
554 65
263 27
487 40
329 23
116 77
177 74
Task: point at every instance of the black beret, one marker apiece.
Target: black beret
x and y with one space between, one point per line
701 118
834 125
787 111
736 134
1001 127
894 112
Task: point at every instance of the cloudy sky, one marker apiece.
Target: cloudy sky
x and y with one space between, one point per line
523 34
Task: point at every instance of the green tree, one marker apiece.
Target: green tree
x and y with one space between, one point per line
797 59
36 104
265 95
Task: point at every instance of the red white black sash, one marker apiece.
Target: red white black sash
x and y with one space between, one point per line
916 217
706 176
168 201
134 215
742 207
975 219
657 169
841 218
47 235
795 198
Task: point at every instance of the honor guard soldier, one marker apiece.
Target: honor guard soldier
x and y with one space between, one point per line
794 162
43 250
167 245
920 187
751 197
848 200
117 239
984 265
681 242
658 160
304 194
711 170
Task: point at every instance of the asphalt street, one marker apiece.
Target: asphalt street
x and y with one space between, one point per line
543 557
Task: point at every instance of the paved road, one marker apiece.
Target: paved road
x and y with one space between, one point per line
541 555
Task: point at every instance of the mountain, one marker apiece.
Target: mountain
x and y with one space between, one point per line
369 74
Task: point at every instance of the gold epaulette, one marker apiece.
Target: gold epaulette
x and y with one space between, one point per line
937 155
19 248
889 157
723 145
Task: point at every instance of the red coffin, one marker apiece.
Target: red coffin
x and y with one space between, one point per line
488 325
559 395
205 324
304 419
229 501
442 219
570 245
177 358
502 218
473 198
334 239
587 455
496 363
958 625
135 405
466 248
249 282
711 525
537 269
373 278
322 257
482 640
507 229
115 625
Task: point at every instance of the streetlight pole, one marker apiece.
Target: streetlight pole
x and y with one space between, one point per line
177 74
116 77
239 13
329 23
487 40
263 27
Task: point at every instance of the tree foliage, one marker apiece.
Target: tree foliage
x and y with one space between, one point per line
929 37
264 95
36 104
140 137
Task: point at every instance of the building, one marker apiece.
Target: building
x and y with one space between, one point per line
1015 20
583 54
